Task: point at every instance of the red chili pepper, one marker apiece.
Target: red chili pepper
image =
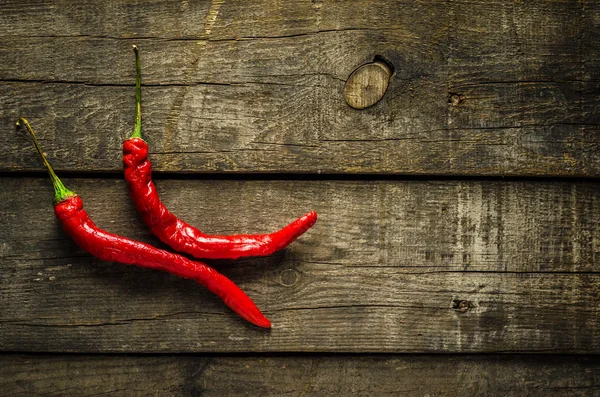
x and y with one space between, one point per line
68 208
175 232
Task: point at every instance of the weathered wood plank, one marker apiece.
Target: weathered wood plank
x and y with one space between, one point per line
384 270
423 375
481 88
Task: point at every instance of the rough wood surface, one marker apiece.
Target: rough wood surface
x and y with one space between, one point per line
424 375
465 266
481 88
391 266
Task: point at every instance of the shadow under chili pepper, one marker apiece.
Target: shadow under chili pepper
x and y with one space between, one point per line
135 284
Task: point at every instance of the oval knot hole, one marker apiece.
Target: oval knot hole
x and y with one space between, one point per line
368 84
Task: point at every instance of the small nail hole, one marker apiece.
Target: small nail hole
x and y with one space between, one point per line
461 305
455 99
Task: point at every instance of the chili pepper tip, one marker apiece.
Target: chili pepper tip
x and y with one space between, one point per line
265 324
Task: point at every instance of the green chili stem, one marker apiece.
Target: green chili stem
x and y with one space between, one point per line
137 129
60 191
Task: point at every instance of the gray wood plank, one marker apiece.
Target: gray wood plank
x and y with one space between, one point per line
480 88
346 375
391 266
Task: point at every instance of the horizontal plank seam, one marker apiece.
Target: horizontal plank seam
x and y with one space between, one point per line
308 177
308 354
348 352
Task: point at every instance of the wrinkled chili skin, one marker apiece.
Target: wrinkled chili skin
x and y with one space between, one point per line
110 247
185 238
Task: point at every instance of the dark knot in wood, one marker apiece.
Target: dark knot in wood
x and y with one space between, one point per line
455 99
289 277
461 305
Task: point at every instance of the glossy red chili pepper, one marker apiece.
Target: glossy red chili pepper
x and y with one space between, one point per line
106 246
175 232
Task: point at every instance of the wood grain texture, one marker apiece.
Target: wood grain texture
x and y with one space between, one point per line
391 266
423 375
481 88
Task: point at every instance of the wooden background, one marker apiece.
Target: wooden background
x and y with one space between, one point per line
459 215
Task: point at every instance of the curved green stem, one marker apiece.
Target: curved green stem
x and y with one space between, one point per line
60 191
137 128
